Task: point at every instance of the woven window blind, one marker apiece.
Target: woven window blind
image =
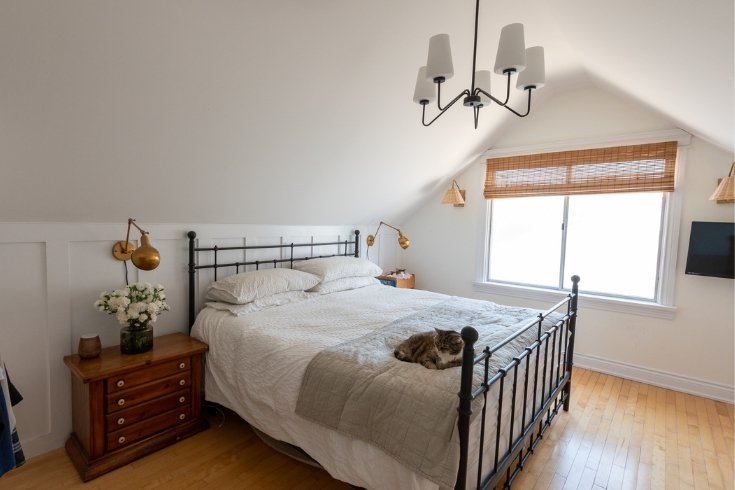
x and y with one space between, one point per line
638 168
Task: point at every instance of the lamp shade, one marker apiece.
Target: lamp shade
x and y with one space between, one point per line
511 49
453 196
403 241
535 73
145 257
482 80
725 191
439 63
425 90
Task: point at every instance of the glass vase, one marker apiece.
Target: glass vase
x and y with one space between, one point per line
136 340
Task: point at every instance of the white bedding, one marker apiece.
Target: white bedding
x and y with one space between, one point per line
256 363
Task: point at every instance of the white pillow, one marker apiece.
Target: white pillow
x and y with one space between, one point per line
332 268
279 299
249 286
343 284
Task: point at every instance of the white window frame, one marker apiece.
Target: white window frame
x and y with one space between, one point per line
664 308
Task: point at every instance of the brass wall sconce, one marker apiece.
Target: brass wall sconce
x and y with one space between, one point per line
725 192
454 196
402 240
144 257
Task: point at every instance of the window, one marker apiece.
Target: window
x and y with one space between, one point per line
606 212
613 241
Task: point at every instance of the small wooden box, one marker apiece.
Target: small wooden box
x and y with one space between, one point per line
127 406
398 283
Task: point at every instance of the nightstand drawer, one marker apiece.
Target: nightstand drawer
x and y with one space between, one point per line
142 393
149 427
144 411
135 378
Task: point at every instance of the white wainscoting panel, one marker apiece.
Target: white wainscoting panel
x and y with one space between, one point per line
24 333
54 272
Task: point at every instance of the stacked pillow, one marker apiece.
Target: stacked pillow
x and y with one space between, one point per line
257 290
263 288
340 273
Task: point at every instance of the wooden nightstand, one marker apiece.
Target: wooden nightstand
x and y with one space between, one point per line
409 283
127 406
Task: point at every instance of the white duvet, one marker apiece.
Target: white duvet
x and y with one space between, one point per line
256 362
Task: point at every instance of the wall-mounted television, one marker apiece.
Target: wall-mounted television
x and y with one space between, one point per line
711 250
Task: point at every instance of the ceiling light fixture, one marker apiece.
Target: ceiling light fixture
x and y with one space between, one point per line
513 57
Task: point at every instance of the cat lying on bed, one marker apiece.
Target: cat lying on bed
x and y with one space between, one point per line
440 349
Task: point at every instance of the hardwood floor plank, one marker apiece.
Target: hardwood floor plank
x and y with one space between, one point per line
713 470
705 430
658 469
643 482
630 477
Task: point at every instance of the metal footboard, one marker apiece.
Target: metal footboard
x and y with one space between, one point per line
543 354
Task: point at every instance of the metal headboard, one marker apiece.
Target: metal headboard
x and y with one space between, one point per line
193 267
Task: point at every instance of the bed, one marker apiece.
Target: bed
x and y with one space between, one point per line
511 386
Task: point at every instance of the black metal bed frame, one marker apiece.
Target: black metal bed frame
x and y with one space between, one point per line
553 397
193 267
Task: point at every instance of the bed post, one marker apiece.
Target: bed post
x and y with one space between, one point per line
570 348
469 336
192 314
357 243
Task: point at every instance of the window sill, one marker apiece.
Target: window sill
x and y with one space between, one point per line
618 305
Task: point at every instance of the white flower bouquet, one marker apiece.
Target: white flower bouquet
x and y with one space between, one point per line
135 306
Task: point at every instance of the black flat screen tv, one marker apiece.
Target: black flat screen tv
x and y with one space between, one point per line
711 250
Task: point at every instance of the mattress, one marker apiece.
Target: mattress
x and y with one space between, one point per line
256 363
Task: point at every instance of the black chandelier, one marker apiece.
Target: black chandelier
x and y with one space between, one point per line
512 57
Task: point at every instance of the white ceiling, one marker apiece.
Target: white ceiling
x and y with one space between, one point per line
300 112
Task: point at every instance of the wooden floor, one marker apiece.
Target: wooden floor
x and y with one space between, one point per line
618 434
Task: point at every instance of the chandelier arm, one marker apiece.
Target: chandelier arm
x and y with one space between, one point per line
528 111
494 99
464 92
478 90
439 97
477 115
507 91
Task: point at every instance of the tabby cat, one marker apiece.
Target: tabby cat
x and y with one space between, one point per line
440 349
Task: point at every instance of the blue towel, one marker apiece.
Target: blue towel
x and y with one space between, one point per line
7 456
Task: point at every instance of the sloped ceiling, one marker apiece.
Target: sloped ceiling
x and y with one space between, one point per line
300 112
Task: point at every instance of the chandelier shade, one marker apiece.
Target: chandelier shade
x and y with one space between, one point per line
512 58
439 63
482 81
511 50
534 76
425 90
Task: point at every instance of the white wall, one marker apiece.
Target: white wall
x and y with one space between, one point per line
52 273
698 343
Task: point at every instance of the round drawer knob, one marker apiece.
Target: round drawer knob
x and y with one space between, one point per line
182 382
120 421
120 383
121 401
182 416
182 365
182 399
121 440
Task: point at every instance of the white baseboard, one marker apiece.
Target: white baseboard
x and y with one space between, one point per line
708 389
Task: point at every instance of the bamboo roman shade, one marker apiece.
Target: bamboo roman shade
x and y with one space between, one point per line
638 168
